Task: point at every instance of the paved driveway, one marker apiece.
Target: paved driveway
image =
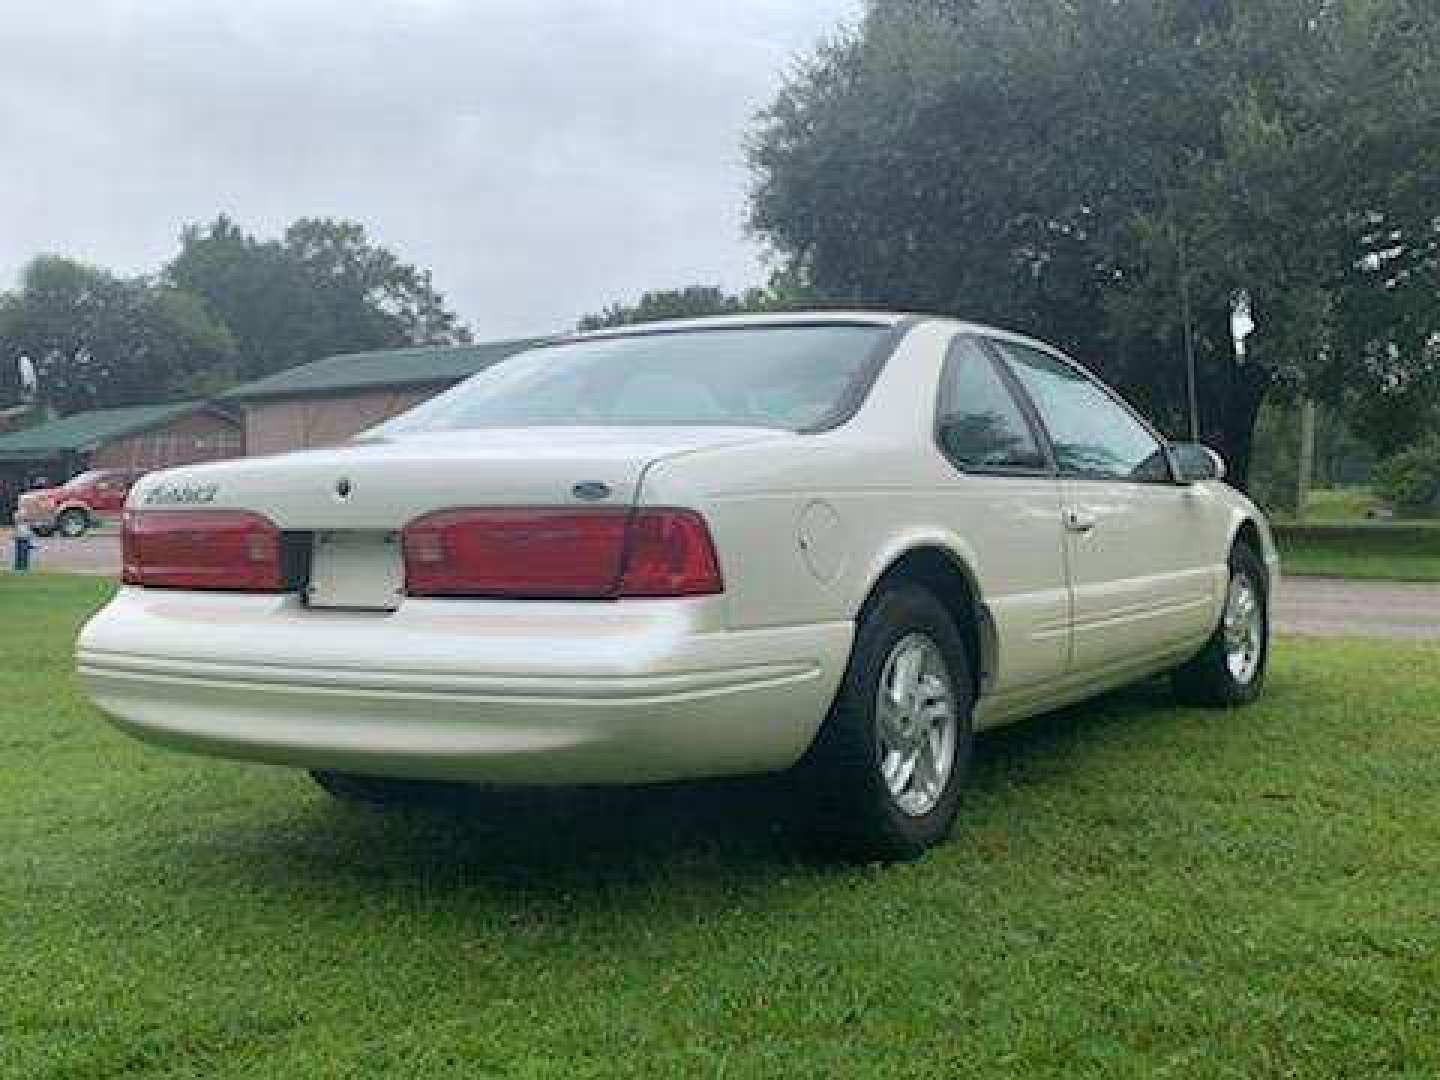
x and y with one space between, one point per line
1337 607
93 553
1304 605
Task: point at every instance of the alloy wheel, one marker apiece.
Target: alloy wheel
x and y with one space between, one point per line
1244 628
916 725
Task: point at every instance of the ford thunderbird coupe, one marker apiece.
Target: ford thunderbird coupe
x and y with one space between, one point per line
833 543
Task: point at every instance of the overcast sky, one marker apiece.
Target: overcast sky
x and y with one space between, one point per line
544 156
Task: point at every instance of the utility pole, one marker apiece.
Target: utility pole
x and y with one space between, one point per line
427 309
1189 321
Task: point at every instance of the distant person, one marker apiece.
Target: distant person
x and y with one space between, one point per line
24 542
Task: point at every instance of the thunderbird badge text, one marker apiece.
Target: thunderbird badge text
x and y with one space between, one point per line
182 494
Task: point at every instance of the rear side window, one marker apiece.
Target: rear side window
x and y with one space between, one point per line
1093 435
979 424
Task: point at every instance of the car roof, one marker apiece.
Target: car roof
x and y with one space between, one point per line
812 317
854 317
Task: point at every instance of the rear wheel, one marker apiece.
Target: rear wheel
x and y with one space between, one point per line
1230 670
887 767
381 791
73 523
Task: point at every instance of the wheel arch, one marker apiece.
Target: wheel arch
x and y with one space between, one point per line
949 574
1248 533
1251 532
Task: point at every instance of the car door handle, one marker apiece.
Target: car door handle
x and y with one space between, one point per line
1079 521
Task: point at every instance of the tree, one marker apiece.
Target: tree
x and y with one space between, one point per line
257 291
322 289
99 341
690 302
784 290
1111 174
366 289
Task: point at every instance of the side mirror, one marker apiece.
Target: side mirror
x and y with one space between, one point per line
1195 463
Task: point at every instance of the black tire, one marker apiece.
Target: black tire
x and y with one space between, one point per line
851 807
43 530
72 523
382 792
1209 680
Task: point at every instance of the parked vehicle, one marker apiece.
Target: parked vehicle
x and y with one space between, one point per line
77 505
833 543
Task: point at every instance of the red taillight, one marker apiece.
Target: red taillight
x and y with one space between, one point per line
669 553
560 554
201 549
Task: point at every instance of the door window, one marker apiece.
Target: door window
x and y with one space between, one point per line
1093 435
979 423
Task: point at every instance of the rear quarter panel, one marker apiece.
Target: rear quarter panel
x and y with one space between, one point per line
805 528
797 521
913 498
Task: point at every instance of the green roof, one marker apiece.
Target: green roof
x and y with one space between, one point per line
80 430
386 367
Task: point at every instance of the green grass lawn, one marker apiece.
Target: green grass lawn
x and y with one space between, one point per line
1134 890
1348 504
1404 553
1337 540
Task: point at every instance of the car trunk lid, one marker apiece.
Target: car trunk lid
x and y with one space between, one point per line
348 505
383 484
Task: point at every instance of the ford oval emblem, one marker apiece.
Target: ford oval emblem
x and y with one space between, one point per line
343 487
591 491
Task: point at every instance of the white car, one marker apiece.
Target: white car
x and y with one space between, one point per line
841 542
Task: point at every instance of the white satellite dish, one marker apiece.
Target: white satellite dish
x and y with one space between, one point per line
29 382
1242 322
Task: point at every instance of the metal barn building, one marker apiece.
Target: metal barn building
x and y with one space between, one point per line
138 437
328 401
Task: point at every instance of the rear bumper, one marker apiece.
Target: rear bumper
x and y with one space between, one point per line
624 692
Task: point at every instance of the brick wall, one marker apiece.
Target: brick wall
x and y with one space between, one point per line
197 436
273 427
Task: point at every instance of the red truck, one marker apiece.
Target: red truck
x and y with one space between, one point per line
78 504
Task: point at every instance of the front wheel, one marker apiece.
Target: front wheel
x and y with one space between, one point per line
1230 670
73 523
886 770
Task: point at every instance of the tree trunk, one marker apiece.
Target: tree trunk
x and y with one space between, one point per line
1234 432
1230 411
1307 457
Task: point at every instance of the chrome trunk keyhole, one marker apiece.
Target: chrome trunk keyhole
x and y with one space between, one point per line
591 491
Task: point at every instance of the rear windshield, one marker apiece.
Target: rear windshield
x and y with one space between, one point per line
795 377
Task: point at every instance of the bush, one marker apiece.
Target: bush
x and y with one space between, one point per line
1410 480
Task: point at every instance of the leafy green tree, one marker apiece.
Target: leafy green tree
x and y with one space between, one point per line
691 302
784 290
1410 480
1111 174
323 288
366 289
256 289
98 340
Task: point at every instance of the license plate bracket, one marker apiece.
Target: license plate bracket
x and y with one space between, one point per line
356 569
